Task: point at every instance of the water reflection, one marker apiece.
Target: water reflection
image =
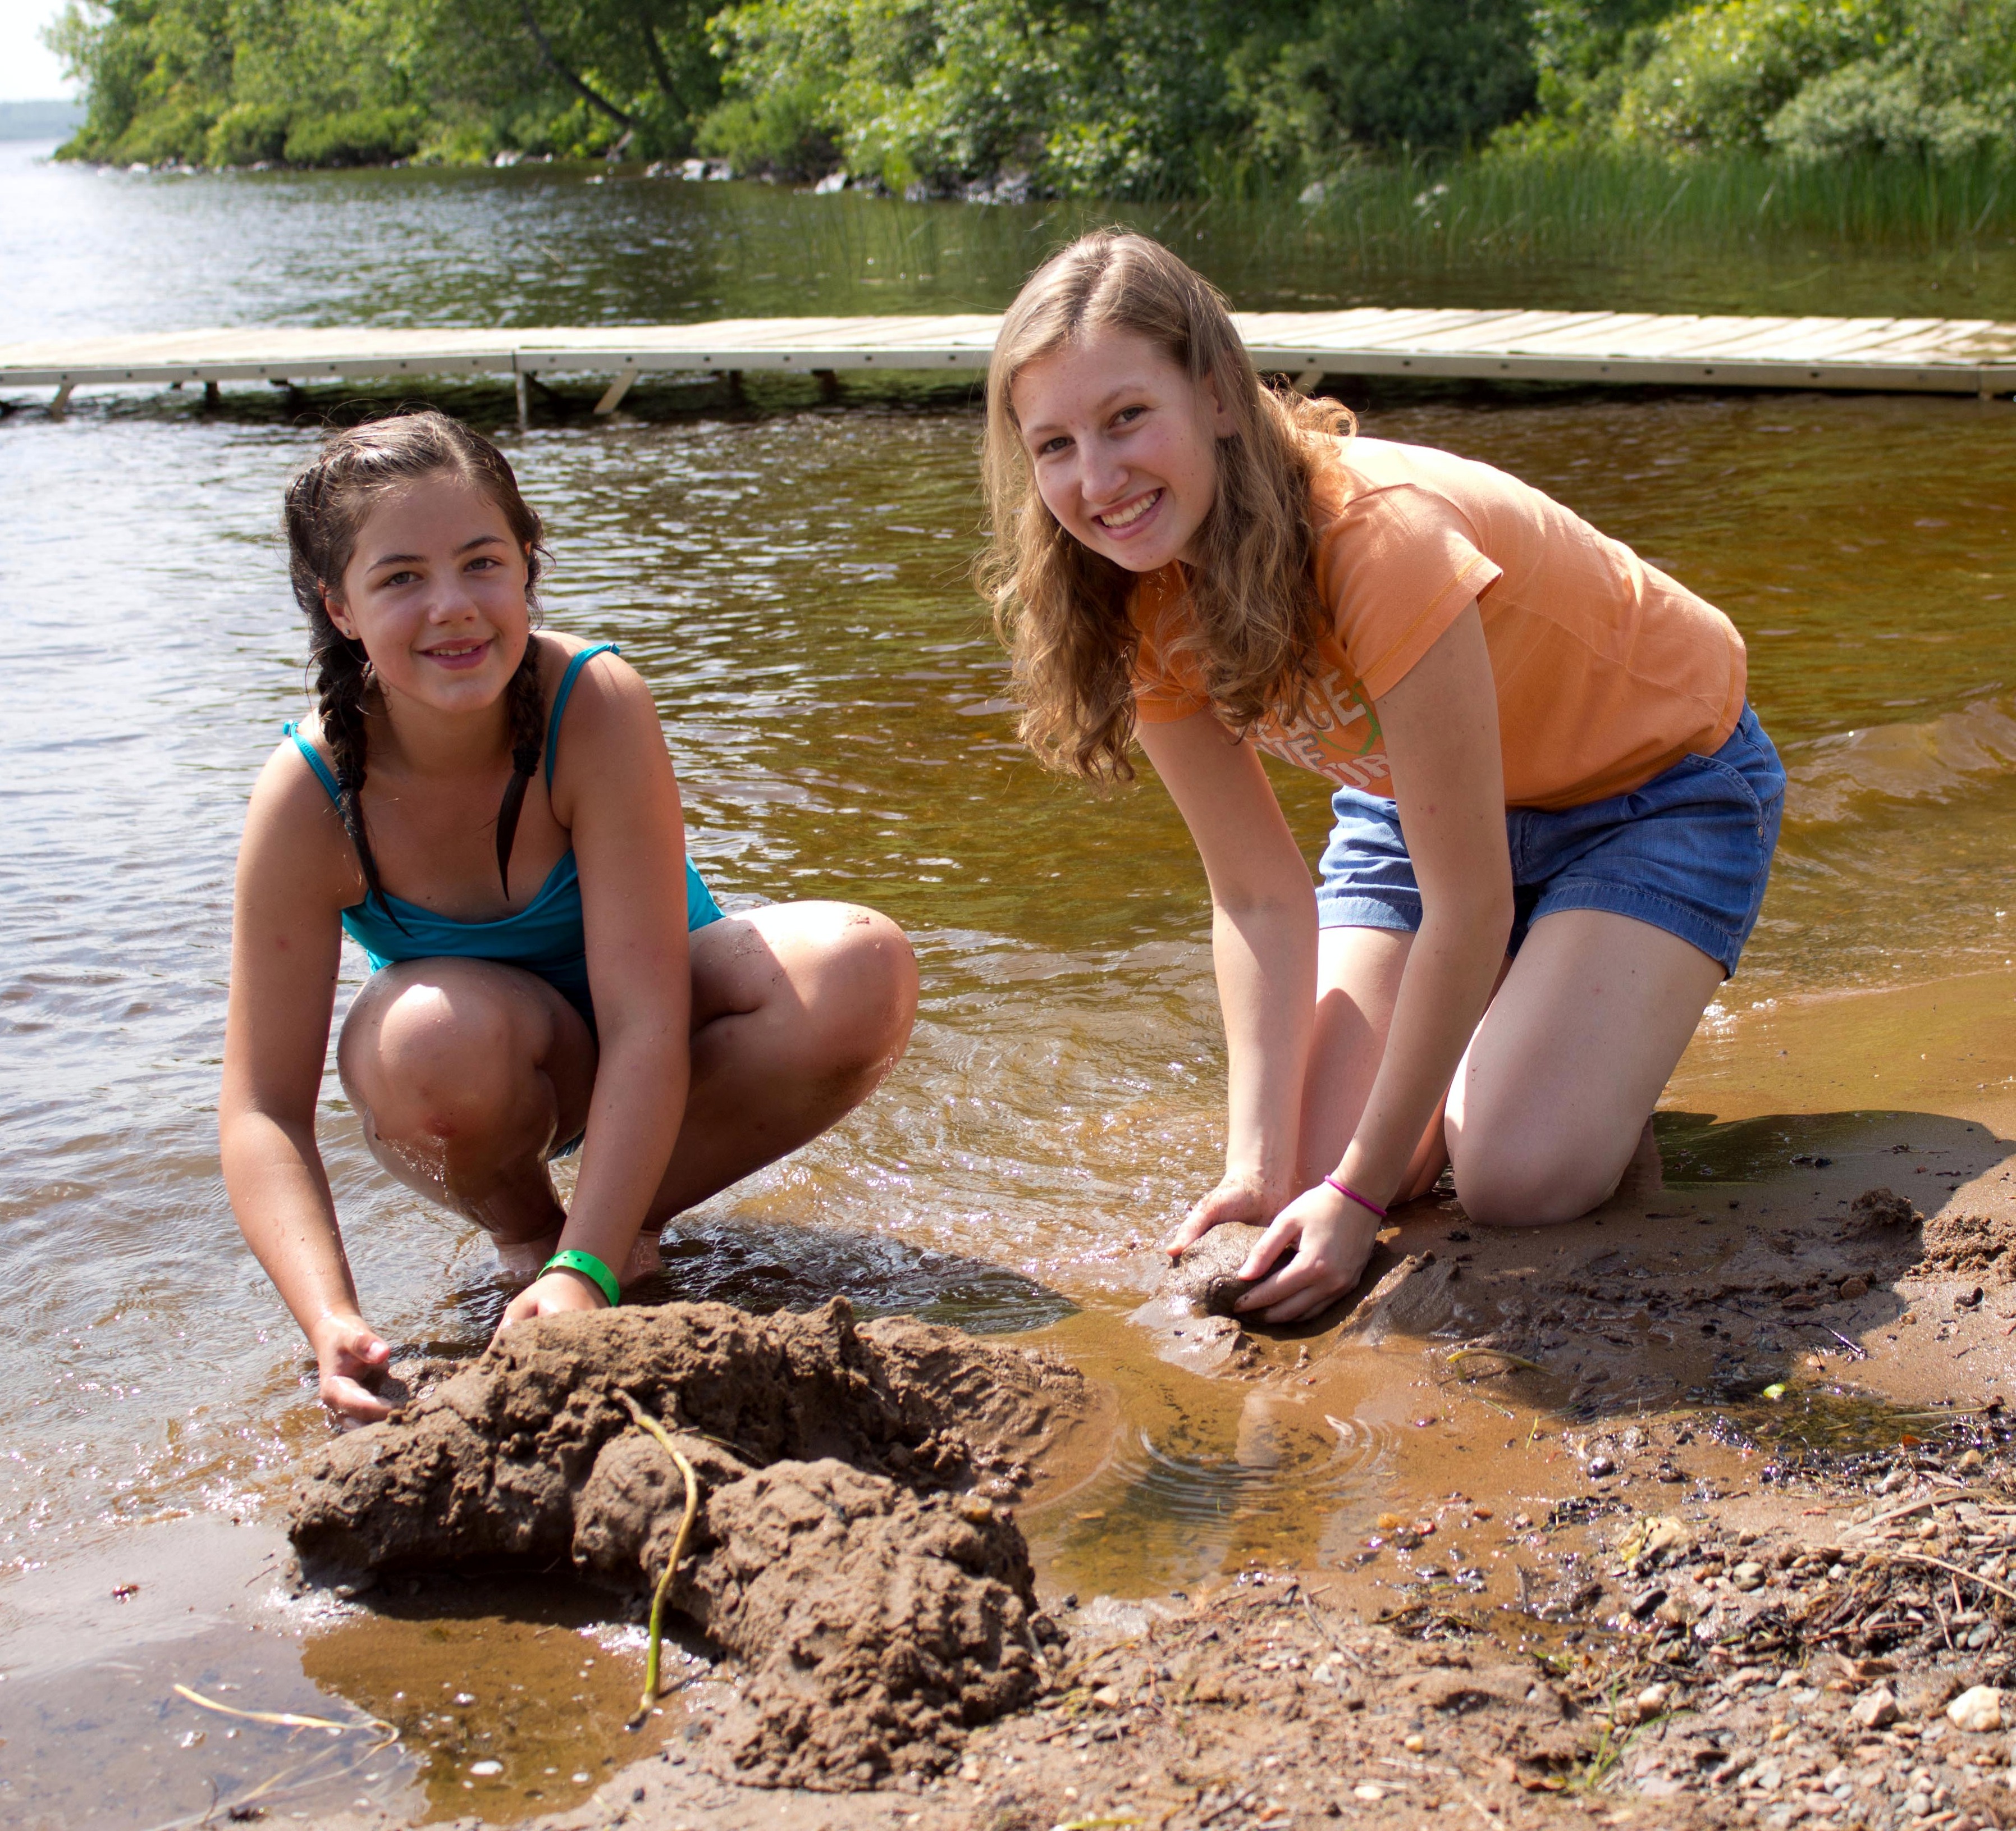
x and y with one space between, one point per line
792 583
101 251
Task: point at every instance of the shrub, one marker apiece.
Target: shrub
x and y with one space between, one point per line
245 133
354 136
1819 78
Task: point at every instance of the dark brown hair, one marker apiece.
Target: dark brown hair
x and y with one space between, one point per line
1060 608
327 504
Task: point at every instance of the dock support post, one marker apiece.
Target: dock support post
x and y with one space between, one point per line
734 385
1308 380
524 402
828 381
210 396
618 389
60 405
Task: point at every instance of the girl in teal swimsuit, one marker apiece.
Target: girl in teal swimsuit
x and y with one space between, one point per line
549 971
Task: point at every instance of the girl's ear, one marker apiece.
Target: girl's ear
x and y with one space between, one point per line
1222 424
333 609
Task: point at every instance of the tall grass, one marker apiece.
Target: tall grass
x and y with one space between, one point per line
1616 204
1608 228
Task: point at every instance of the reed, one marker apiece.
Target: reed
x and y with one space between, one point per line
1610 230
1617 205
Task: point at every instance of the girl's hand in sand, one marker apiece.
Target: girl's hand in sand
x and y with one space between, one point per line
554 1294
348 1351
1240 1195
1333 1240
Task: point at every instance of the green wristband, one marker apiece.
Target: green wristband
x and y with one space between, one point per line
591 1268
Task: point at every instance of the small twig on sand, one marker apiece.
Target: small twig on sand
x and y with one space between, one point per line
1957 1571
1482 1810
646 1422
1919 1506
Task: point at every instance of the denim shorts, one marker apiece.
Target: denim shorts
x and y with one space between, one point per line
1689 852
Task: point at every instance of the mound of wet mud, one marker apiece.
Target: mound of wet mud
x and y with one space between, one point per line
1971 1245
874 1612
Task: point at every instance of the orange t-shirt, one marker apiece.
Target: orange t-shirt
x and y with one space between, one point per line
1607 670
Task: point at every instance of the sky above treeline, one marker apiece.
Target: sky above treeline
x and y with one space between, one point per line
29 71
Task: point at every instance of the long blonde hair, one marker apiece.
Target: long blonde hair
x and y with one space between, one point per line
1060 609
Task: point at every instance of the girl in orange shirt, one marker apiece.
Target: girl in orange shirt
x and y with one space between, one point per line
1555 812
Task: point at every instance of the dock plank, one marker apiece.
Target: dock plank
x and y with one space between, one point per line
1961 356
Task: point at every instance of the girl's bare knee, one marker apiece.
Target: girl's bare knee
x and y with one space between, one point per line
867 998
427 1065
1501 1186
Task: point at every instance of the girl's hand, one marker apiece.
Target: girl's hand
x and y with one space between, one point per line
1333 1240
1240 1195
555 1294
348 1351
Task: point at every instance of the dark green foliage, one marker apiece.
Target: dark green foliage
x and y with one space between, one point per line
1136 99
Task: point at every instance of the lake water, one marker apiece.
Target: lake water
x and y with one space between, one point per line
791 578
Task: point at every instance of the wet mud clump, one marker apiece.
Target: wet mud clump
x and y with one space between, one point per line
875 1607
1879 1214
1206 1275
1984 1244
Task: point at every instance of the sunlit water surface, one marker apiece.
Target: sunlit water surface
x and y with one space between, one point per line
791 578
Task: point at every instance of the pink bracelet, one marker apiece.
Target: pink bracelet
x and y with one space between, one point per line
1350 1194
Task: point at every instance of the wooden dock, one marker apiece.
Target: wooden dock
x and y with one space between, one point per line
1964 356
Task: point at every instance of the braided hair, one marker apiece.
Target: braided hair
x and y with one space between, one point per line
326 507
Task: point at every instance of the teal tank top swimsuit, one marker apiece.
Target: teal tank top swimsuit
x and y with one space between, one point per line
545 937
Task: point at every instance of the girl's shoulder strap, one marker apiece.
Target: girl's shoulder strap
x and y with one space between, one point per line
321 769
564 692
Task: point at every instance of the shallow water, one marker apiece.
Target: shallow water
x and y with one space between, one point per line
791 578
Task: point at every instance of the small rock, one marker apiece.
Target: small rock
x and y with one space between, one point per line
1874 1710
1973 1459
1654 1538
1601 1466
1653 1698
1747 1575
484 1769
1107 1697
1642 1604
975 1509
1852 1287
1977 1709
1367 1791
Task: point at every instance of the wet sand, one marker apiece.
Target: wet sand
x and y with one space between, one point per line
1413 1520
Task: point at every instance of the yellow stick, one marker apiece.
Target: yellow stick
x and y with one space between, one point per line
286 1719
1514 1360
647 1421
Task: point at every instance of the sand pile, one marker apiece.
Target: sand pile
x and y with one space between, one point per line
875 1609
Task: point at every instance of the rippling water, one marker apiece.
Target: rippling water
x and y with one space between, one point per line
791 580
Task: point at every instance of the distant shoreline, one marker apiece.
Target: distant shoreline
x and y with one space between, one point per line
40 121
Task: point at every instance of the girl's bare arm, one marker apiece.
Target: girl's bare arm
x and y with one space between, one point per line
616 792
286 945
1264 947
1440 727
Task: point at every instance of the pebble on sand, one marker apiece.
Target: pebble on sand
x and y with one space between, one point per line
1874 1709
1978 1709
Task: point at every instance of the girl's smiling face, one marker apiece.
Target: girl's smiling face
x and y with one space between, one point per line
1123 445
435 590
